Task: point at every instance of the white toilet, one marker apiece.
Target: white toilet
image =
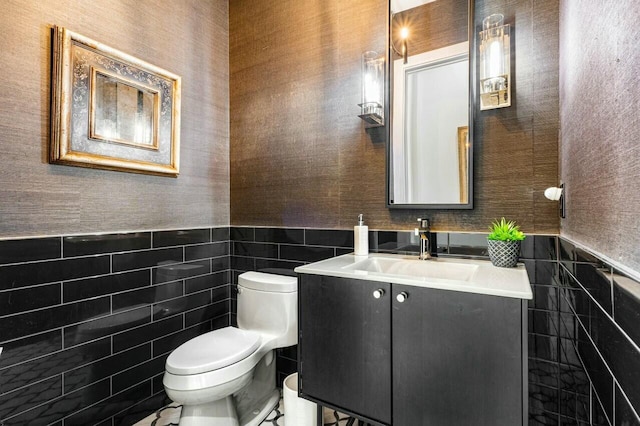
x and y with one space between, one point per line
227 377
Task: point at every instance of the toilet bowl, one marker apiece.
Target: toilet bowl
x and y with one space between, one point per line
227 377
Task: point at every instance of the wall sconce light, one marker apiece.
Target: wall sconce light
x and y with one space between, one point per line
495 63
372 89
404 35
403 52
557 194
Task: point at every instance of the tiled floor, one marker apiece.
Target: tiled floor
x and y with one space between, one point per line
170 415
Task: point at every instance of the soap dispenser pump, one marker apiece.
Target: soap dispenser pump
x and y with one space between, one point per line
361 237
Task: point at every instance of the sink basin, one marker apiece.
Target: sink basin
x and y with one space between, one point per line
445 273
414 268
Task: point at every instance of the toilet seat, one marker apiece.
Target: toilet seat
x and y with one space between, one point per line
212 351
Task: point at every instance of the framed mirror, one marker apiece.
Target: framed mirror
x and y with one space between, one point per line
111 110
430 137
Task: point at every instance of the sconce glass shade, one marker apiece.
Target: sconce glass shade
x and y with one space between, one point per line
495 63
372 89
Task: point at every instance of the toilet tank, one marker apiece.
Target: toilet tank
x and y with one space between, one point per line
268 303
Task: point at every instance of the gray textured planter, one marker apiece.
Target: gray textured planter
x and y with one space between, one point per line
504 253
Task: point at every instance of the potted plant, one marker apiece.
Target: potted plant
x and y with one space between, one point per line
504 243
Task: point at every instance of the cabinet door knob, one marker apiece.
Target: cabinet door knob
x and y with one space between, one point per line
402 296
378 293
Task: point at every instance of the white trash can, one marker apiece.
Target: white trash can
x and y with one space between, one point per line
297 411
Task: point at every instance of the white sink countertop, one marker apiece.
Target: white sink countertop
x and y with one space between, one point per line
467 275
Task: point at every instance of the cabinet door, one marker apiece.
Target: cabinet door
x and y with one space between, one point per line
345 344
457 359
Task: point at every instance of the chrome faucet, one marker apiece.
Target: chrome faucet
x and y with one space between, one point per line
423 231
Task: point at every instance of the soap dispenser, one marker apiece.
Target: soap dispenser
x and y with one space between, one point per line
361 237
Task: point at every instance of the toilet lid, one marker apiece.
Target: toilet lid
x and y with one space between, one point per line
213 350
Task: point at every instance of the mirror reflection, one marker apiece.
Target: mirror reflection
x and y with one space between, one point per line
122 112
430 148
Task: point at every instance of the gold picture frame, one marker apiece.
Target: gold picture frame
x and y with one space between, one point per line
463 169
111 110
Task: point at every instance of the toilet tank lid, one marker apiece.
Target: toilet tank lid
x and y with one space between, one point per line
268 282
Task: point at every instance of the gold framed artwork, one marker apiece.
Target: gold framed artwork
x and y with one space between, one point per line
463 155
111 110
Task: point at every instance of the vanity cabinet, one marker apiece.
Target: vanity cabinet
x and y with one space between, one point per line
438 357
344 345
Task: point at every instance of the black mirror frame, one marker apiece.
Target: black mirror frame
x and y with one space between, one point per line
472 118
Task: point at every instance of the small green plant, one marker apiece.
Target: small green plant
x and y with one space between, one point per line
505 230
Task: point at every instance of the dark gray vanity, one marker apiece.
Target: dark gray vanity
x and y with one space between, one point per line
413 350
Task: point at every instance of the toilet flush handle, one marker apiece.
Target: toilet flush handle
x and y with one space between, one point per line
238 289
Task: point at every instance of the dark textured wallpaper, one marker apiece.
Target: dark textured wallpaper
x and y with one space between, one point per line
600 100
299 154
188 38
